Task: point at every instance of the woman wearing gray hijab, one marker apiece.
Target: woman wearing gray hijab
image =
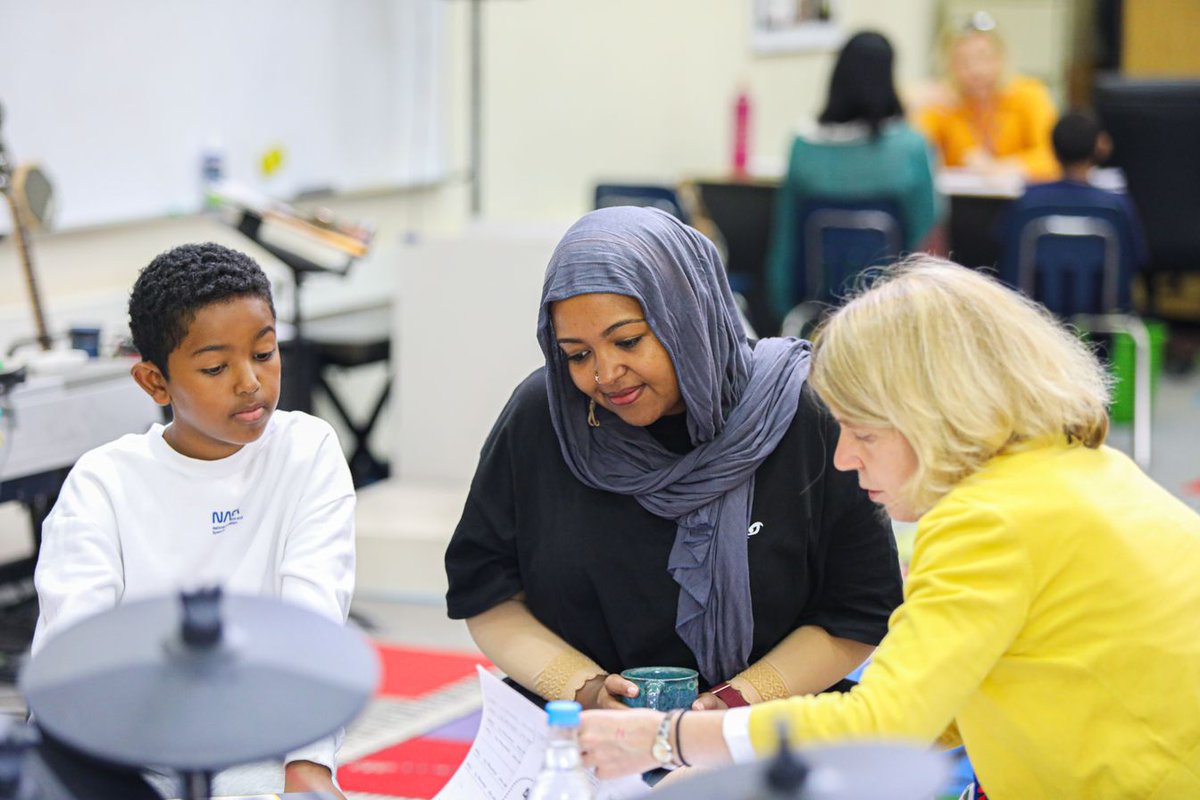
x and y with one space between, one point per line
661 492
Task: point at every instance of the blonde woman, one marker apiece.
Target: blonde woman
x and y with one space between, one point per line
985 119
1052 611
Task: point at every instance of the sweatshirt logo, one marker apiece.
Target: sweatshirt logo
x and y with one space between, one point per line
225 519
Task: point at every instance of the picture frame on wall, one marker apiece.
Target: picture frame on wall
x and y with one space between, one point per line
794 26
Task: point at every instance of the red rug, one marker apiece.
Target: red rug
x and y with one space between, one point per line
417 768
415 673
417 685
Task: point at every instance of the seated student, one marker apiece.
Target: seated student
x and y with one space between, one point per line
1051 614
661 492
862 149
1080 145
135 518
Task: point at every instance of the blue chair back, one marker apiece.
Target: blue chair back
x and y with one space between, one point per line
1073 259
664 198
838 239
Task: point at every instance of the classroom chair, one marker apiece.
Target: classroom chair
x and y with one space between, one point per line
837 240
1079 264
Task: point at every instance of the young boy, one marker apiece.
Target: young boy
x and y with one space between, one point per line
1080 145
231 492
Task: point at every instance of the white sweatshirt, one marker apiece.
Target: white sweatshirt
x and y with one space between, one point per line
135 519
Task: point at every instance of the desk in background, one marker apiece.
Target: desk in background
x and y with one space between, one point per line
51 420
977 206
743 210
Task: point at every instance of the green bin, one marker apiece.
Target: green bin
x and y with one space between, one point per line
1121 351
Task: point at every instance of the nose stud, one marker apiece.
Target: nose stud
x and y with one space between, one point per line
596 375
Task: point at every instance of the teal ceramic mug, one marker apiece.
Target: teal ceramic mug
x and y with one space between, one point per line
662 688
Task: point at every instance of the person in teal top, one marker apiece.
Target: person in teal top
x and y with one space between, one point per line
861 149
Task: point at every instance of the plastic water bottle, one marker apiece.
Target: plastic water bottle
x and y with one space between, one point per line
562 776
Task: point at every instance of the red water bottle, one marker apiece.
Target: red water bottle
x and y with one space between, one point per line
741 133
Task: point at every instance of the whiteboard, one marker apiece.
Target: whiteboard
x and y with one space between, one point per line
120 100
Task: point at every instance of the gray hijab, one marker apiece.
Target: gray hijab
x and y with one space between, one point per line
740 402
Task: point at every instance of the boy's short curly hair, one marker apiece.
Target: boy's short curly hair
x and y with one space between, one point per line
1075 137
177 283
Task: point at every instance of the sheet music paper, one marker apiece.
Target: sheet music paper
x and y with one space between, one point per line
507 752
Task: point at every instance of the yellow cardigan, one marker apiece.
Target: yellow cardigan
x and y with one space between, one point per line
1052 611
1019 122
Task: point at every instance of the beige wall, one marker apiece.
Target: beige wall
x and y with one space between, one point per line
580 90
575 90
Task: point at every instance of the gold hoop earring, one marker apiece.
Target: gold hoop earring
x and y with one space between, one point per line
592 421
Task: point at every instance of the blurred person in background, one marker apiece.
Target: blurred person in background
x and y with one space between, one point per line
862 148
985 119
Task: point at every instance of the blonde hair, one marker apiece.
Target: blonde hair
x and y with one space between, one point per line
963 367
980 23
951 37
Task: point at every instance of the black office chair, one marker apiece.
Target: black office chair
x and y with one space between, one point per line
742 211
1079 264
1155 128
837 240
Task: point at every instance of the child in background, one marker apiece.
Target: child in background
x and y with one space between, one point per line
1080 146
231 492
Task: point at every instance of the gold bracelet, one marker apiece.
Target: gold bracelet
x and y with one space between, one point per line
551 682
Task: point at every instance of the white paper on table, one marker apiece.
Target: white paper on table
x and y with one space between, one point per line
507 752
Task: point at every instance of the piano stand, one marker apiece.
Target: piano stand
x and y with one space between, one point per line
364 467
341 341
337 341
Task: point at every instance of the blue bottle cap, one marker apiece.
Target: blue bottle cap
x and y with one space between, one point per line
563 713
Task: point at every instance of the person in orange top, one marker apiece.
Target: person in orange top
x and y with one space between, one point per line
984 120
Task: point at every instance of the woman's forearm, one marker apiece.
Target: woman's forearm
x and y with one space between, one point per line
808 661
529 652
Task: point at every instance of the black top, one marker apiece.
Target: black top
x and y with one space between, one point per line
593 564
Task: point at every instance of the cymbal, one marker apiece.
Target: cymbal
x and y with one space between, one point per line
201 685
850 771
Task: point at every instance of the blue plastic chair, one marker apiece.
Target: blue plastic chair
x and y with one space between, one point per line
1072 258
836 241
1079 262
